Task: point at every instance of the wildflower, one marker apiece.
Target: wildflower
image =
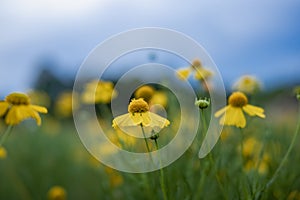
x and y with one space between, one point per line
200 72
159 98
294 195
98 92
238 103
64 103
202 103
139 115
57 193
146 92
247 84
2 153
115 178
297 92
17 108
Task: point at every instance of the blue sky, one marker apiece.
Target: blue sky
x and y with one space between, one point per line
243 37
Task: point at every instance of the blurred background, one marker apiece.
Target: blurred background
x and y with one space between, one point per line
43 44
48 40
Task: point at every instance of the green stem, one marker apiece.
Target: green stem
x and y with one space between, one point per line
242 147
147 145
162 176
211 159
203 124
5 135
283 161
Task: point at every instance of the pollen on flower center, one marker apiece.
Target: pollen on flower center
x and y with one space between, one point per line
17 99
196 64
238 99
138 106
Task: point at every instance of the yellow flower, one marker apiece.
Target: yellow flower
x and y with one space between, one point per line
238 103
57 193
297 92
139 115
17 108
146 92
247 84
115 178
159 98
98 92
250 147
200 73
2 153
64 103
294 195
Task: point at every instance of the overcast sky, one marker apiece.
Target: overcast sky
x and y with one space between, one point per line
243 37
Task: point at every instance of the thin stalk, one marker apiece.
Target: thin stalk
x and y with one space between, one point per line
162 176
211 159
283 161
242 146
147 145
5 134
203 124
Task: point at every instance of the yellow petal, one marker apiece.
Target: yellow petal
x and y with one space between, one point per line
3 153
13 116
146 118
123 121
39 109
221 111
234 117
136 118
158 121
254 110
3 107
19 113
202 74
184 73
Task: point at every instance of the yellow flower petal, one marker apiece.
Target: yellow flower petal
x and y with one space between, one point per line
254 110
202 74
3 153
3 107
136 118
19 113
221 111
122 121
146 119
158 122
234 117
184 73
39 108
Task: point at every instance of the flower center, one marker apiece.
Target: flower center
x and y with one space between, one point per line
17 99
238 99
138 106
196 64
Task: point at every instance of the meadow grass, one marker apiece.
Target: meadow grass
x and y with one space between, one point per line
39 158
